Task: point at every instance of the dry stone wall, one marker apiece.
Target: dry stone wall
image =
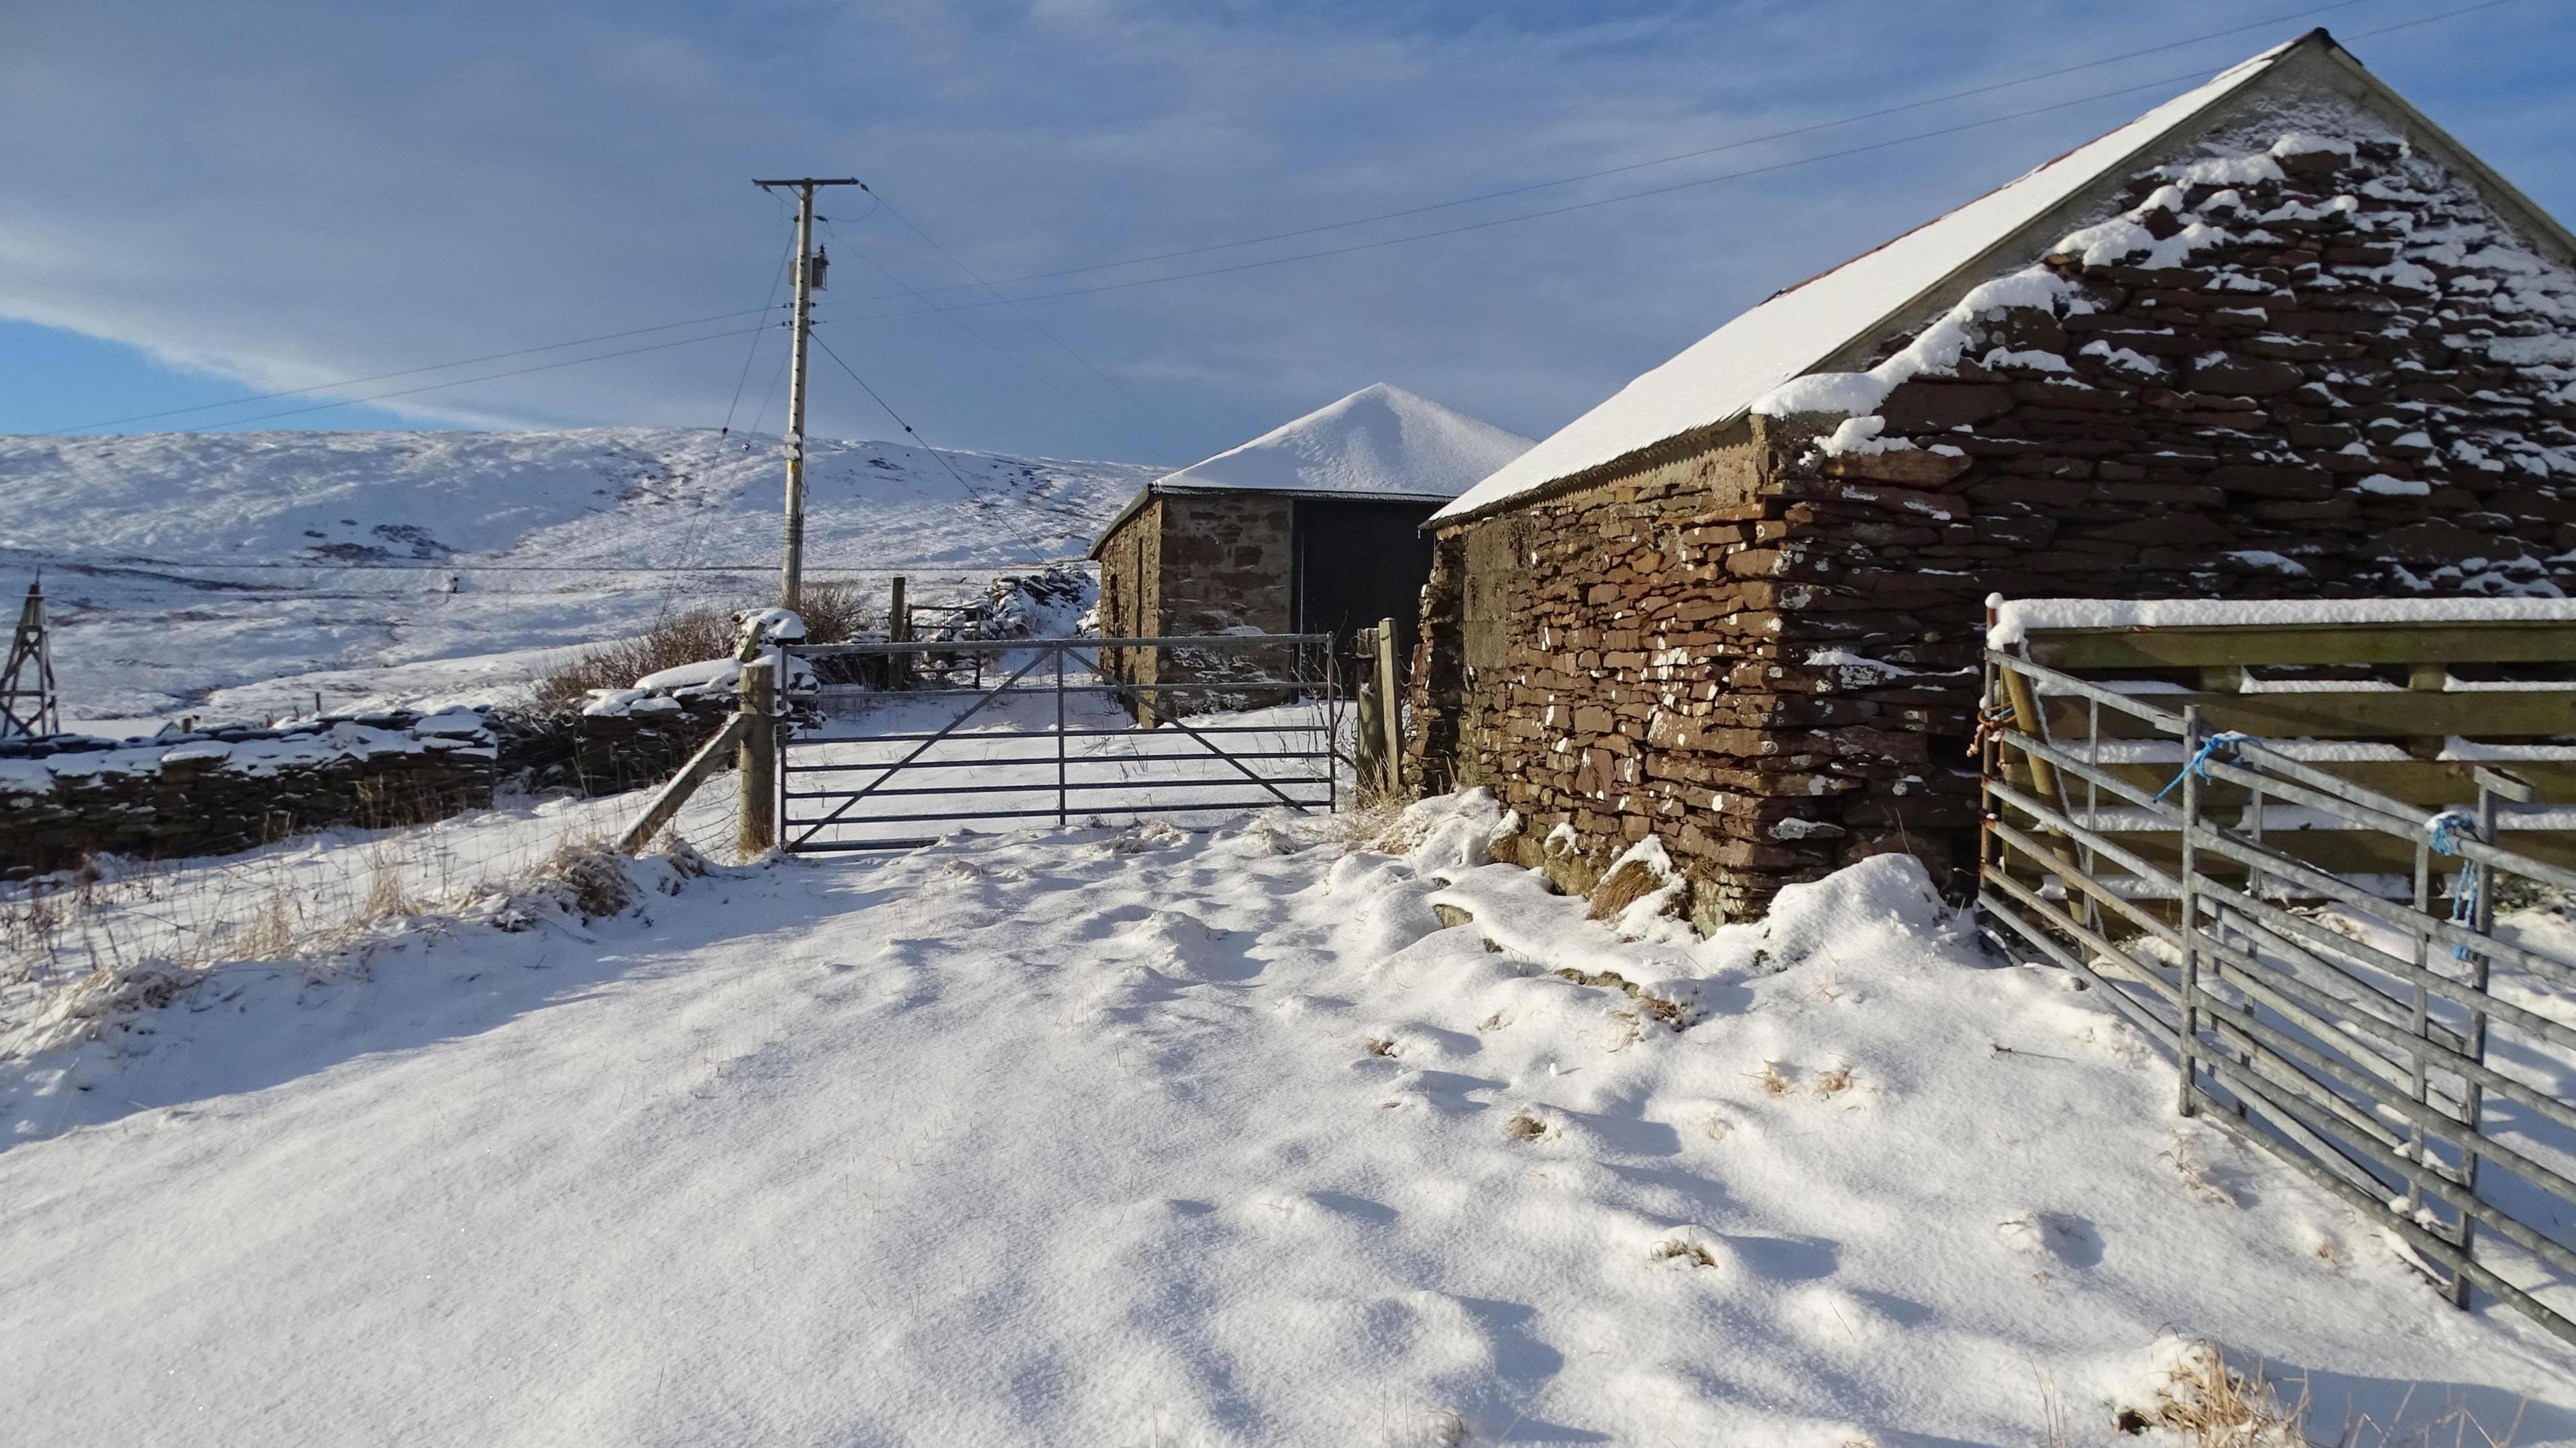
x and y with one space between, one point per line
2305 365
226 790
221 791
1226 562
1606 659
1198 564
592 753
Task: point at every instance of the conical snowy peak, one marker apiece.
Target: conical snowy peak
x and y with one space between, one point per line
1380 439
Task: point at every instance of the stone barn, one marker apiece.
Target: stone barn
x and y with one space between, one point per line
2280 337
1315 527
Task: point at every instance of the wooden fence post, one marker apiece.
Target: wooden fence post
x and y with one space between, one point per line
667 802
1368 750
757 762
898 631
1390 704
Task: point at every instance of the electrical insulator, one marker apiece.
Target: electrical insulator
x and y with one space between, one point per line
821 268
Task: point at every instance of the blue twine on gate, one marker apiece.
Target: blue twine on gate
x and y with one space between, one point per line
2199 761
2442 831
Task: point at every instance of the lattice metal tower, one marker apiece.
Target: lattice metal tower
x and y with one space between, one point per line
27 705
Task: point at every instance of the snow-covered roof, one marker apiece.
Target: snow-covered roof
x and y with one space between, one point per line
1717 379
1380 441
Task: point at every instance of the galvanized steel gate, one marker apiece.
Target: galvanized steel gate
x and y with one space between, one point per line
2347 1025
913 738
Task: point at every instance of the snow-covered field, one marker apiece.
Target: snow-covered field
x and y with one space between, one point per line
1139 1136
588 534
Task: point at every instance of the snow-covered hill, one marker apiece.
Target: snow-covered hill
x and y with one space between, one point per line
549 539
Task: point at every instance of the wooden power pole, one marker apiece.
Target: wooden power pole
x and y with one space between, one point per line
791 567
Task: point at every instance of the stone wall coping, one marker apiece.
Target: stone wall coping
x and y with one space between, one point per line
34 766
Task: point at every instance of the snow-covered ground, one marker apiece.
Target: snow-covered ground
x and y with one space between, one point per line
1140 1135
129 533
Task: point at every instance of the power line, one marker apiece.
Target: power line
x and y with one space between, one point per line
1016 310
489 377
1791 164
998 350
2428 19
697 530
1036 554
751 352
1574 206
993 285
770 394
1793 131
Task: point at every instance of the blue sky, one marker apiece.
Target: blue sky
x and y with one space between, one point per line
203 202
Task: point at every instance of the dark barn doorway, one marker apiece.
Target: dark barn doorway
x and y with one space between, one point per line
1358 562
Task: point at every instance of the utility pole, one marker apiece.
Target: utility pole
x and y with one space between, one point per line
791 567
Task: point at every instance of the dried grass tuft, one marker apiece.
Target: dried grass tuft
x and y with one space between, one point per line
2207 1402
594 875
387 897
269 935
1372 818
2211 1405
1684 1249
687 637
1670 1012
2052 1418
836 612
84 951
2199 1175
1621 888
833 613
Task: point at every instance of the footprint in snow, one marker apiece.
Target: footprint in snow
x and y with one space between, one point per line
1191 946
2071 1240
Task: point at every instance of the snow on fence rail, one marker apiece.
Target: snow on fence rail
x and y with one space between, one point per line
2258 883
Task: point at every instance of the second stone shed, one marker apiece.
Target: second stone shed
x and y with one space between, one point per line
1314 527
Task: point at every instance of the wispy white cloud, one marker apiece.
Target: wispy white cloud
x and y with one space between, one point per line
293 192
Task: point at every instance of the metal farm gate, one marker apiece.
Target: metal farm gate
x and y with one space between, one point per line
2309 927
908 740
